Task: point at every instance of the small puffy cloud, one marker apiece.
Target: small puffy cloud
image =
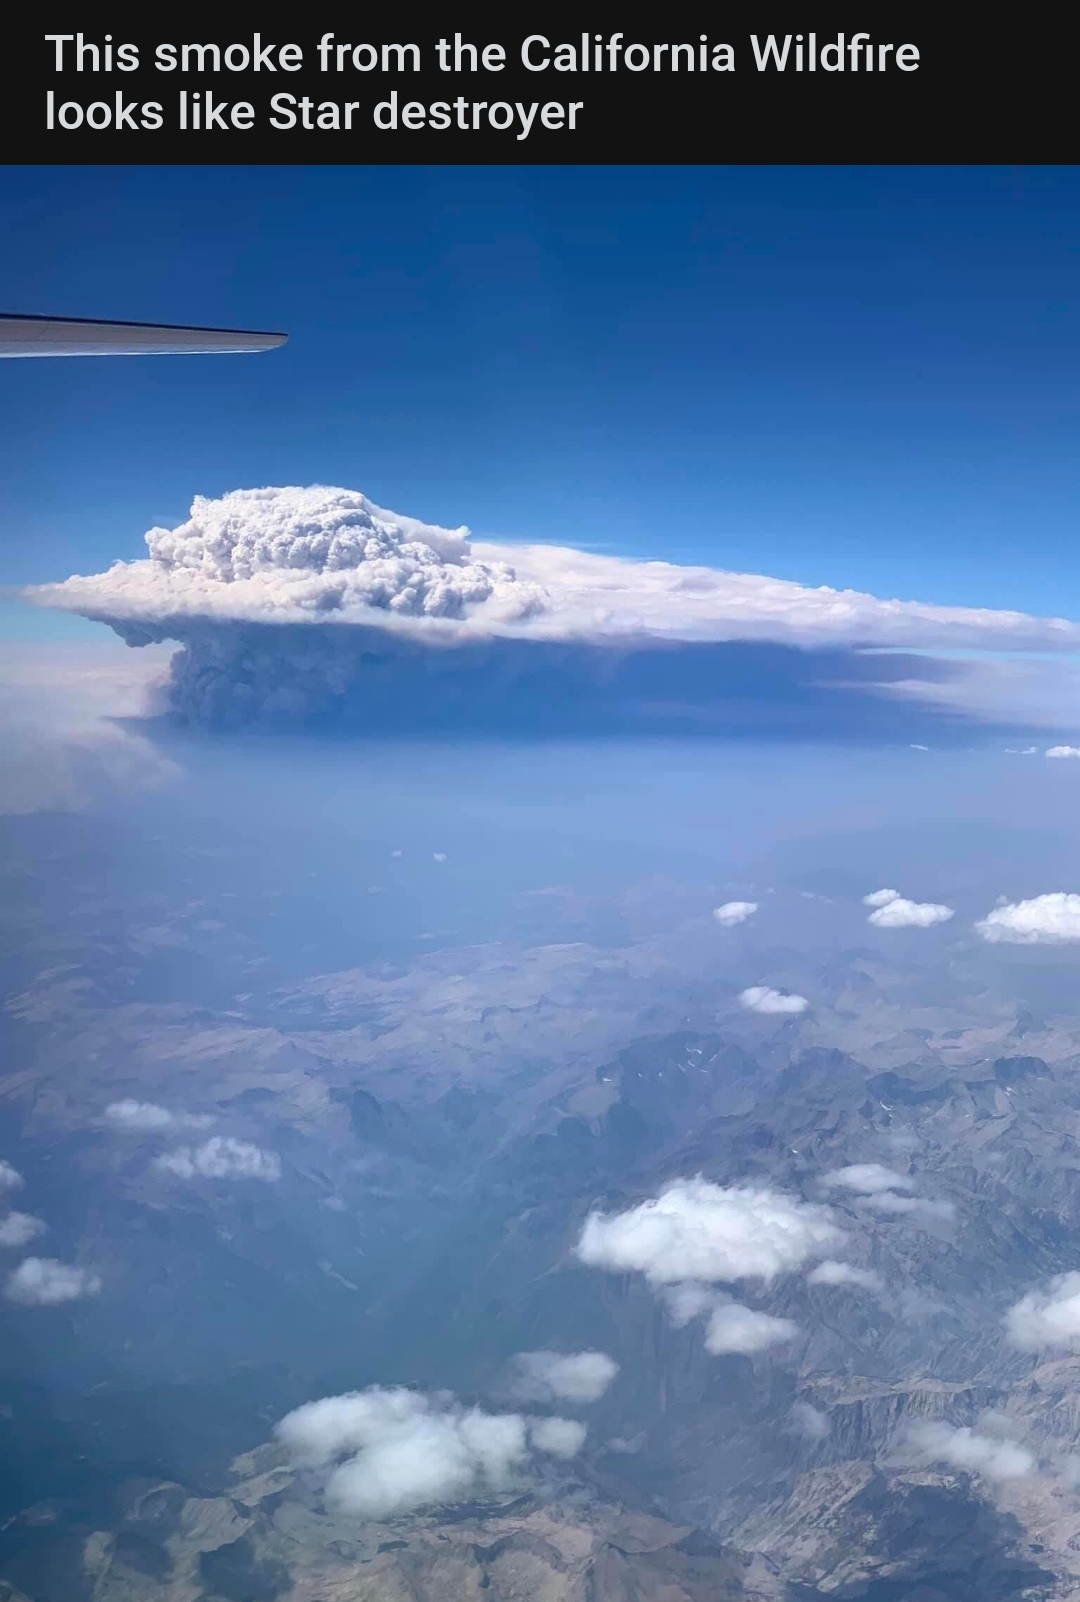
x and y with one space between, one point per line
809 1422
901 914
10 1178
735 1328
882 1190
438 856
734 912
563 1376
146 1117
391 1451
1048 920
1047 1318
869 1179
44 1282
558 1437
688 1301
221 1157
887 1201
707 1233
831 1272
1064 751
731 1327
19 1228
880 898
762 998
965 1448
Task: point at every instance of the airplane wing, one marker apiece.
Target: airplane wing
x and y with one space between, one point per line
82 336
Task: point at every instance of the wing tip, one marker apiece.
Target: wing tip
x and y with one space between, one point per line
31 334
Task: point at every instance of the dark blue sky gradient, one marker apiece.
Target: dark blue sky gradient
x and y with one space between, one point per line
849 376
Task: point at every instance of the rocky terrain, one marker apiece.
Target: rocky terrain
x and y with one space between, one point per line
442 1129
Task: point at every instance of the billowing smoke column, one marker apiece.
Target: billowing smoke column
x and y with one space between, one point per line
315 607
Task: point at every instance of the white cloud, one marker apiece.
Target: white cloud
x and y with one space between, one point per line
878 1188
145 1117
834 1273
910 1206
688 1301
558 1437
730 1327
809 1422
565 1376
438 856
1047 1318
302 554
44 1282
880 898
390 1451
965 1448
19 1228
221 1157
10 1178
762 998
1064 751
734 912
897 913
707 1233
735 1328
1048 920
869 1179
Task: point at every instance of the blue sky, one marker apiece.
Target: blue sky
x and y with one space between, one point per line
851 376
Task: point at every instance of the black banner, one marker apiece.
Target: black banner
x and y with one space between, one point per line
687 86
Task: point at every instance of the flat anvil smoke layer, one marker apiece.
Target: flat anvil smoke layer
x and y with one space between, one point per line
319 554
314 605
